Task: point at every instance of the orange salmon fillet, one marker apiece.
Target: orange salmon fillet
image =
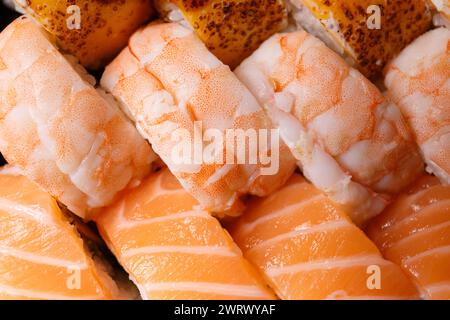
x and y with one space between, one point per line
414 232
41 254
308 248
172 249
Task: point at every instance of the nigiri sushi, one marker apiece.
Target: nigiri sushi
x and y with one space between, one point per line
367 33
173 249
418 81
308 248
349 140
414 232
230 29
41 254
58 129
92 31
176 91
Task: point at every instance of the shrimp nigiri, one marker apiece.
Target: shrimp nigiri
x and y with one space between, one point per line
414 232
350 141
308 248
418 80
170 83
58 129
173 249
41 254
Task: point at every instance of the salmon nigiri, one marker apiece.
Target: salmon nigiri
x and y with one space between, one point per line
174 250
41 254
414 232
308 248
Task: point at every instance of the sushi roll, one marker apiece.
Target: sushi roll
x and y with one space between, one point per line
231 30
188 255
414 232
367 33
176 91
418 81
42 256
350 141
92 31
58 129
308 248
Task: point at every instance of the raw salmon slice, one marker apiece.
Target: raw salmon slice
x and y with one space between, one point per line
414 232
174 250
41 254
308 248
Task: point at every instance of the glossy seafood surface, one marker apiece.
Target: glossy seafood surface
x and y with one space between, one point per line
418 81
224 150
307 248
41 254
189 254
173 87
351 142
58 129
414 232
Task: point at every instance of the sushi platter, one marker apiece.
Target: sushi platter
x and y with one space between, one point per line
225 150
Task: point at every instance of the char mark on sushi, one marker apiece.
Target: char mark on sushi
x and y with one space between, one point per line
367 33
231 30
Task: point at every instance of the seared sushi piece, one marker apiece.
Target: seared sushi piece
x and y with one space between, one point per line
180 94
350 141
414 232
231 30
418 81
173 249
93 31
367 33
42 255
58 129
308 248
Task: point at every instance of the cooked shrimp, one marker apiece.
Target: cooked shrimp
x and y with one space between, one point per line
188 255
62 133
167 80
350 141
418 80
